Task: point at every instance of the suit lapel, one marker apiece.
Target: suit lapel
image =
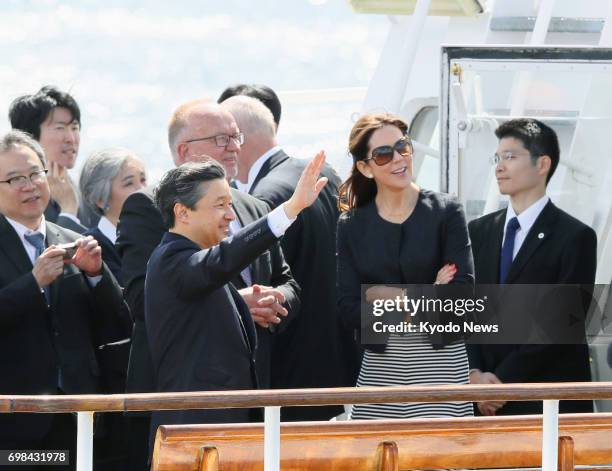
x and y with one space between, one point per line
274 161
245 216
11 245
538 234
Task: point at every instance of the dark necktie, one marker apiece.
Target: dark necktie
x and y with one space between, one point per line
37 240
508 249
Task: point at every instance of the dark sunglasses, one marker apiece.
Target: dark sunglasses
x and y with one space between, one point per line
382 155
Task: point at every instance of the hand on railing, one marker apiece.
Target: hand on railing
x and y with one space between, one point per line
479 377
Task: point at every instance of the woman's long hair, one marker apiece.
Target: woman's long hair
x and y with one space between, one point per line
359 190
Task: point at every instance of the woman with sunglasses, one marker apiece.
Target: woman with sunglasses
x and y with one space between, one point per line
393 232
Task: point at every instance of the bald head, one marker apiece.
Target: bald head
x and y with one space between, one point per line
257 123
191 125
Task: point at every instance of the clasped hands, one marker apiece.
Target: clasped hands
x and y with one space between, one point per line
50 264
265 304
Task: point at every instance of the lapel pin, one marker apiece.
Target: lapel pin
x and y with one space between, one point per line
541 235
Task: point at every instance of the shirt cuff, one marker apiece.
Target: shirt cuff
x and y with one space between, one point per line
71 216
278 222
93 280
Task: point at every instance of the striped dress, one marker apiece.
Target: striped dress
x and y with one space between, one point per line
411 360
374 251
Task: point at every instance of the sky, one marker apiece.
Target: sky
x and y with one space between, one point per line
129 63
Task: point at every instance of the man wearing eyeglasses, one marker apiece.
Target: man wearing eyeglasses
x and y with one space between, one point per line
53 118
315 337
199 131
530 242
53 305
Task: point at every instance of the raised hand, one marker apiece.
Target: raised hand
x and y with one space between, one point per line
308 187
61 188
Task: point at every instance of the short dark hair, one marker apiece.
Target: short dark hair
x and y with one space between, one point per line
28 112
262 92
538 138
183 185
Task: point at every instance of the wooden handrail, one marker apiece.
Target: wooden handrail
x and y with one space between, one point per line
304 397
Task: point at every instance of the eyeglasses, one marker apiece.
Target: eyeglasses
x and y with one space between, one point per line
20 181
504 156
382 155
222 140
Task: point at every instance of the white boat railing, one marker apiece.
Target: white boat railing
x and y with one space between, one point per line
273 400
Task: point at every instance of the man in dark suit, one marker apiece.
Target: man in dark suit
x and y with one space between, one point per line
530 242
51 310
53 118
315 336
200 328
266 285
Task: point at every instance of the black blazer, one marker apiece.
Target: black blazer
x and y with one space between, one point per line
36 340
269 269
565 254
374 251
140 230
200 330
52 214
314 337
109 252
114 357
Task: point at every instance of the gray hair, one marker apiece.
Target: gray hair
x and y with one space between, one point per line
15 138
98 173
251 115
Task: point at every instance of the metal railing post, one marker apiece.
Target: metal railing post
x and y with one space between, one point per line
550 435
84 453
272 439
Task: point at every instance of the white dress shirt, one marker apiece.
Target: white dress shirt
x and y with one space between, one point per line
21 231
526 220
108 229
254 170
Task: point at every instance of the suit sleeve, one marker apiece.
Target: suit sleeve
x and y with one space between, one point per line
20 298
194 274
348 282
282 279
139 232
111 316
456 245
474 351
578 264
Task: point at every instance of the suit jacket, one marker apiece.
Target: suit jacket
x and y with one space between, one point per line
372 251
140 231
52 214
36 340
109 252
565 253
314 337
200 330
269 269
114 357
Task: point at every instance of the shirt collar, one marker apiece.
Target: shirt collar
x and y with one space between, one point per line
255 168
528 217
107 229
23 230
